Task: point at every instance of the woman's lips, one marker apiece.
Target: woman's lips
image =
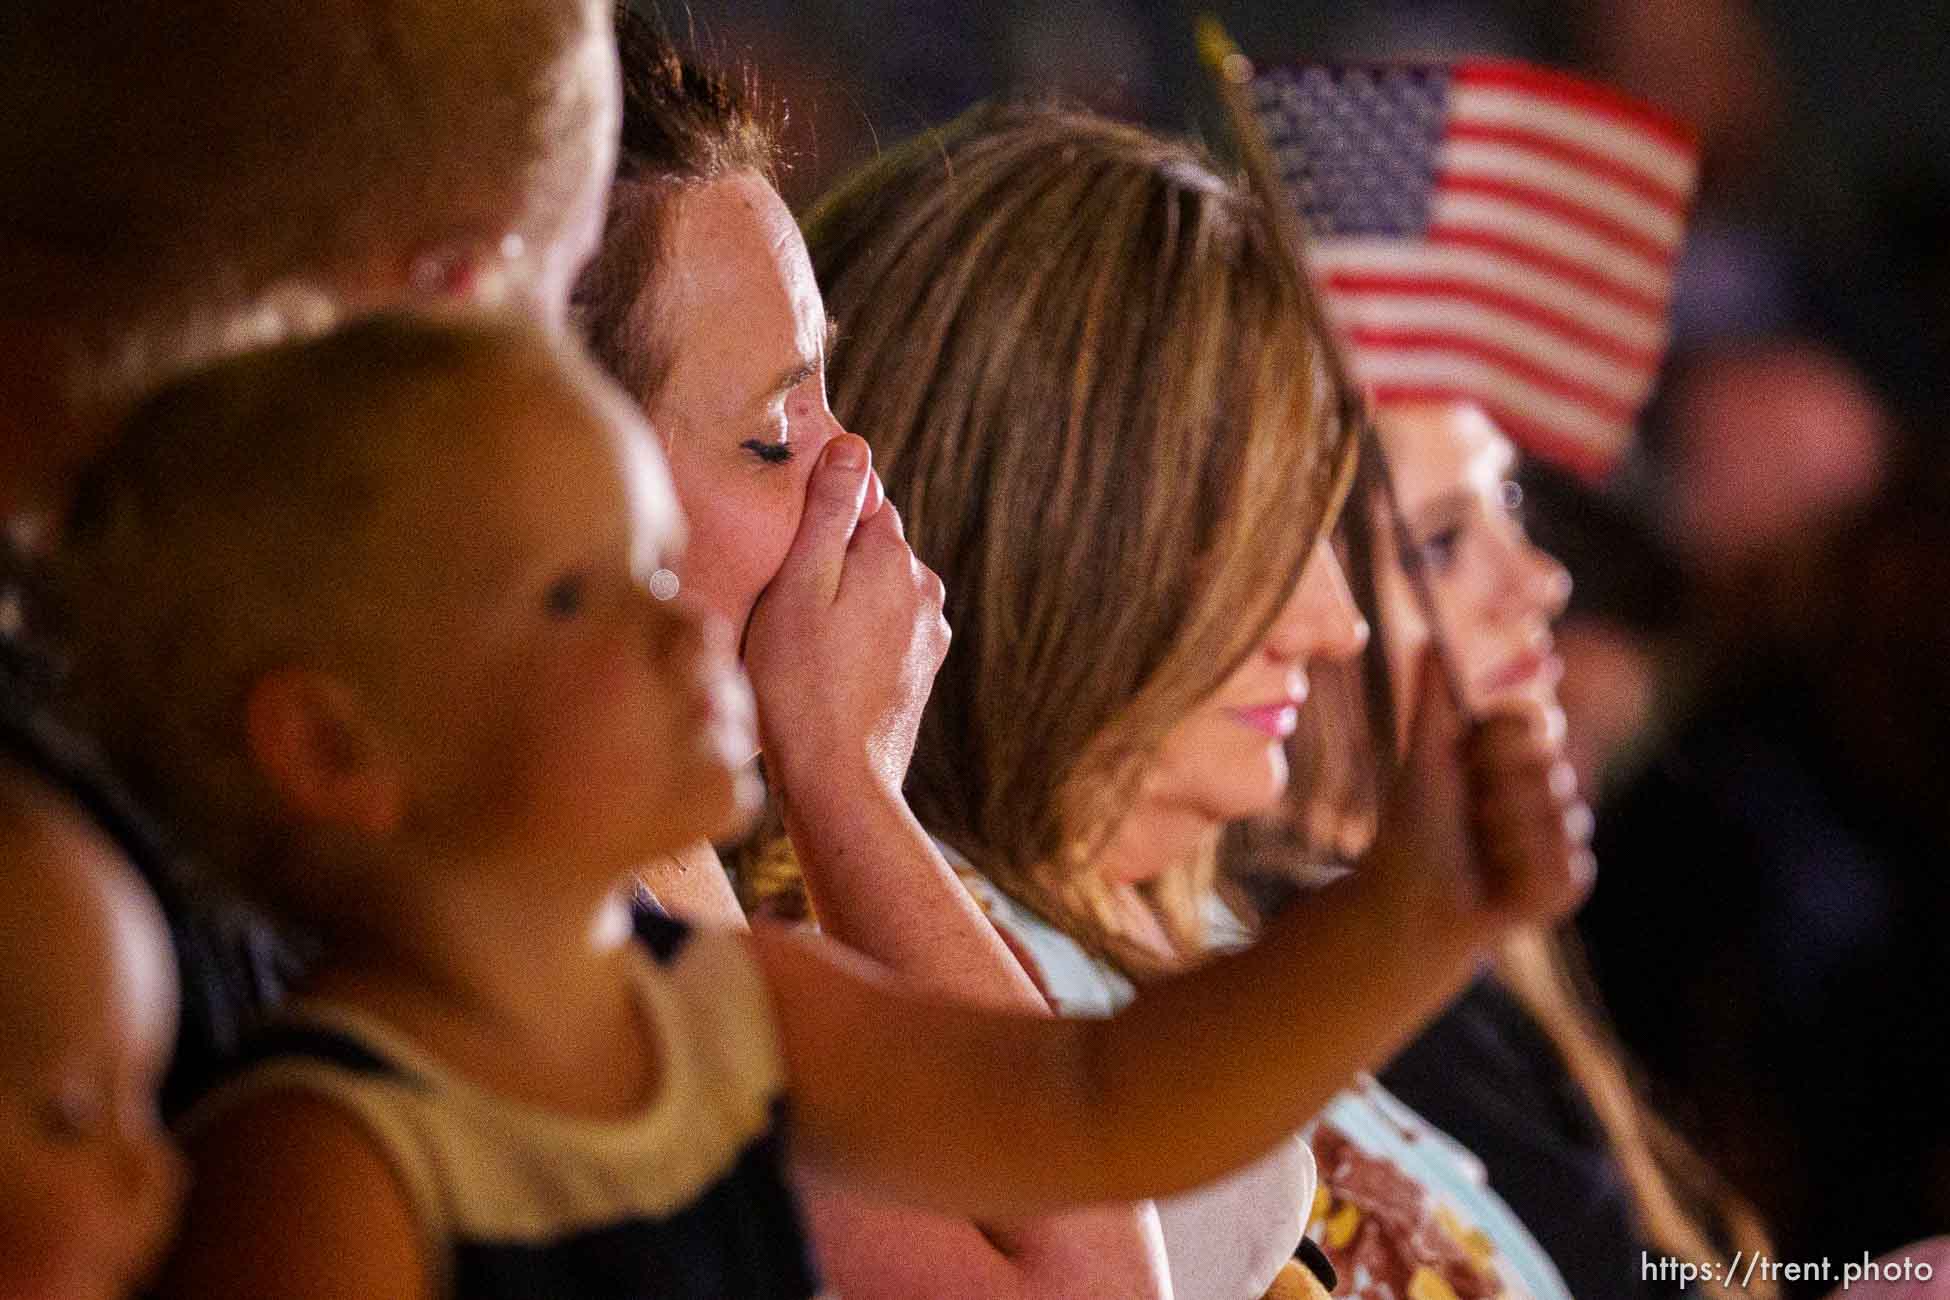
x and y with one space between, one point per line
1274 721
1523 669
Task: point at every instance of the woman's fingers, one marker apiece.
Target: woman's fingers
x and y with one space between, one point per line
1531 829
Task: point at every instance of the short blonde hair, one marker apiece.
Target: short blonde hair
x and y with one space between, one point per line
228 532
215 167
1100 398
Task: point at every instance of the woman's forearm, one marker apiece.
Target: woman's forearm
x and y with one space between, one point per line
881 888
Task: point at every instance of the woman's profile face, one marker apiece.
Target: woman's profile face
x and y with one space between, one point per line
742 413
1495 594
1226 759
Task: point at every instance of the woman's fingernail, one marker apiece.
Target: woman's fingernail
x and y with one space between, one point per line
847 452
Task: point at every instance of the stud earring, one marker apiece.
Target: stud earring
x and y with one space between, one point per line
446 272
663 584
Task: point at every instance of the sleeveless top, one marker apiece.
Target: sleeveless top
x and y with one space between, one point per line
685 1198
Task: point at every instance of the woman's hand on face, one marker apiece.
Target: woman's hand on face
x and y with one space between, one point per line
1484 825
844 644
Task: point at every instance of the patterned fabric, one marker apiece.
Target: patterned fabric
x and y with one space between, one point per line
1490 231
686 1198
1405 1212
1487 1074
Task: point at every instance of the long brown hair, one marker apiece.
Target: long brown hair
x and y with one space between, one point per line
1105 412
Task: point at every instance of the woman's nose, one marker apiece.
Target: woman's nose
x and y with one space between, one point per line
1536 581
823 430
1320 620
1527 579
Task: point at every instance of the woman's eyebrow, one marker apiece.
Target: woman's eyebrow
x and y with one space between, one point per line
800 371
788 380
1440 512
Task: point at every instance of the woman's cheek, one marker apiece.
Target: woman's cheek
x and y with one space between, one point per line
764 531
719 569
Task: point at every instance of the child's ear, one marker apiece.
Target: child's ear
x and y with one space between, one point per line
319 750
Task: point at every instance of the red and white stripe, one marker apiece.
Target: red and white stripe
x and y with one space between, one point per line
1541 287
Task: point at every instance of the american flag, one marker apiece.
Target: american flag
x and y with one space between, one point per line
1491 231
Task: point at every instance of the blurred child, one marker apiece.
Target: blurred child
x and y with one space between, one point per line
89 1183
182 179
391 640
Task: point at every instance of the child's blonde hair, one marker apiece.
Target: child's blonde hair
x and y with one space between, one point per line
214 170
227 534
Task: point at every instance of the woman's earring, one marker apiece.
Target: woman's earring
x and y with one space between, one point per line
444 273
478 271
663 584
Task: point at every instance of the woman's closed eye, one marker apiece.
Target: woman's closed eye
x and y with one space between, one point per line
772 453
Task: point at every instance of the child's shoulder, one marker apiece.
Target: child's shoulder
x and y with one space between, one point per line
703 995
292 1198
494 1188
709 999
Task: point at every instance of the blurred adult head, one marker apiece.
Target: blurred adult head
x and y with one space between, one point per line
186 179
1768 444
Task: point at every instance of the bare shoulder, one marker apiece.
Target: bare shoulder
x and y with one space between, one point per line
292 1198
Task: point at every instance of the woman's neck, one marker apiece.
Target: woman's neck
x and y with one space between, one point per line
1151 841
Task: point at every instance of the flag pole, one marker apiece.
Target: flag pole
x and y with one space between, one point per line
1232 72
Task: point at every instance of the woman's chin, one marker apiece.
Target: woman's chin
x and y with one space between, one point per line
1264 791
1261 797
743 803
